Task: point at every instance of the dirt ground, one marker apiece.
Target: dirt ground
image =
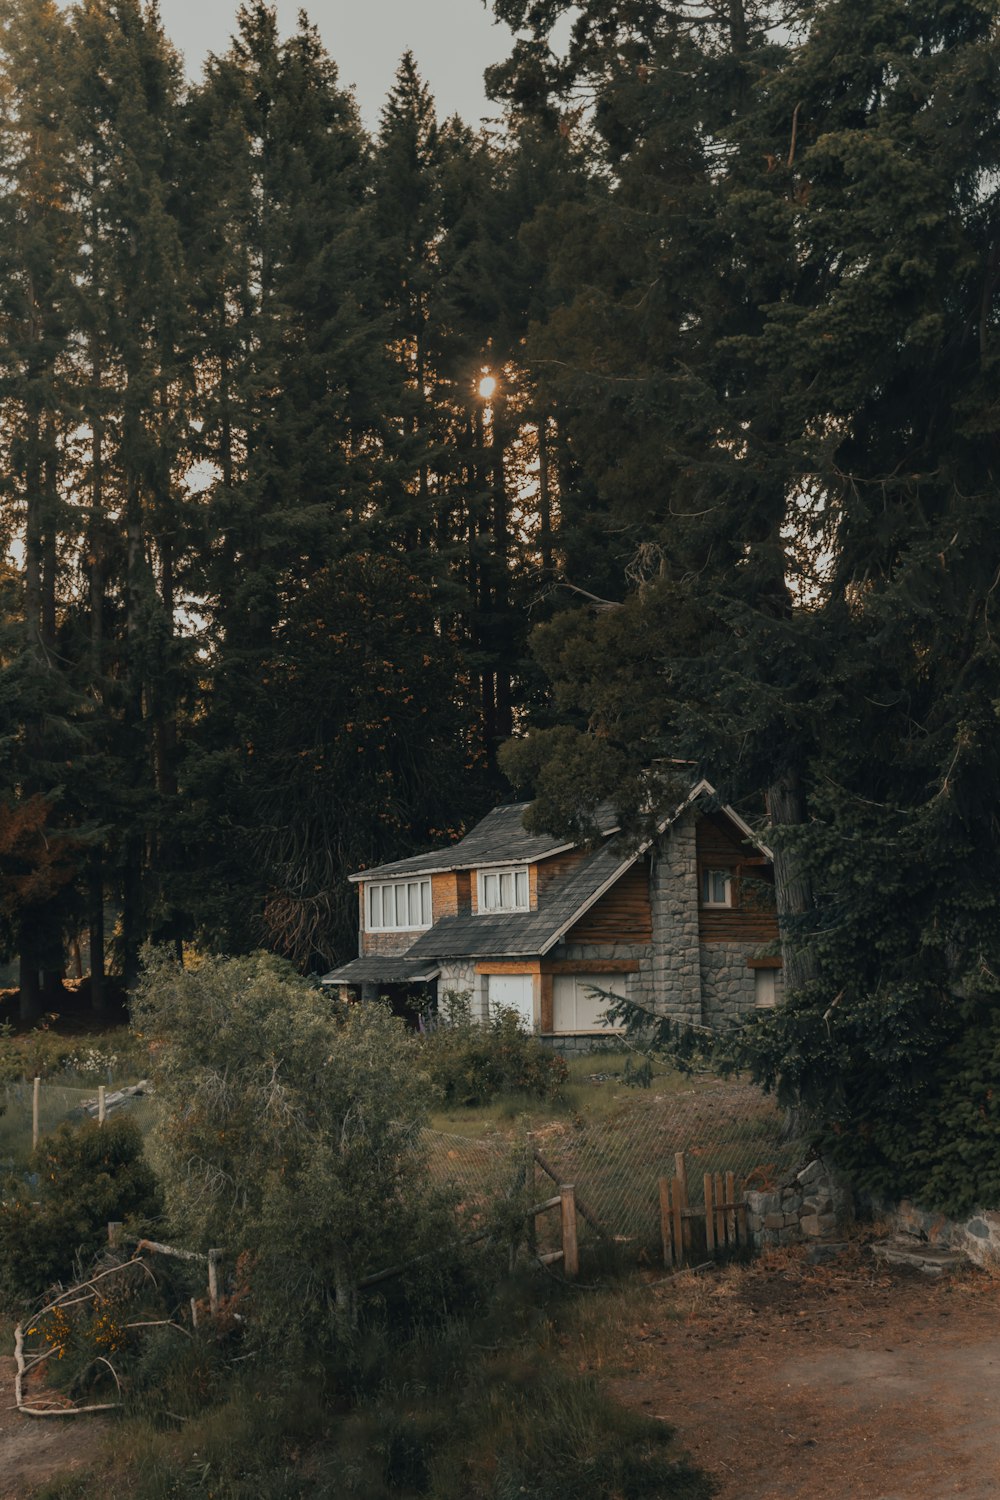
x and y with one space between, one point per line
34 1449
844 1381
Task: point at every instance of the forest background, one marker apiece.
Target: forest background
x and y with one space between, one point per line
275 549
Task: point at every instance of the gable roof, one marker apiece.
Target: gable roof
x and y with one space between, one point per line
498 839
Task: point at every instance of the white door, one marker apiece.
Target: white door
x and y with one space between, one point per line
514 992
576 1005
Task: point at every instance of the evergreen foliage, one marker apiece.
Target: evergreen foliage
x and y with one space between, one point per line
735 274
777 358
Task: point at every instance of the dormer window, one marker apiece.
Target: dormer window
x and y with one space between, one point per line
399 905
716 887
502 890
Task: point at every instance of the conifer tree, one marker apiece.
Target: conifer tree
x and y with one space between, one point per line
38 261
123 91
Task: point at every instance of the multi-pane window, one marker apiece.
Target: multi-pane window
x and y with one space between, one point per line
716 888
399 905
503 890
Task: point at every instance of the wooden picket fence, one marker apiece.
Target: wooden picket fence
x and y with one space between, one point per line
723 1216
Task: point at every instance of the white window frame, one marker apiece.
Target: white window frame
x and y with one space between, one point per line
707 882
410 906
519 890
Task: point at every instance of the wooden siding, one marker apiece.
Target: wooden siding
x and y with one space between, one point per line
554 868
751 918
622 915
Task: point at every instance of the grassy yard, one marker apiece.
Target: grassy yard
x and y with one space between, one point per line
595 1090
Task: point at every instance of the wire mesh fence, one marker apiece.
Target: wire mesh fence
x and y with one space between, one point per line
615 1162
21 1118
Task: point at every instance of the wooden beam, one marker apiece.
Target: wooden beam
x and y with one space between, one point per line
590 966
509 966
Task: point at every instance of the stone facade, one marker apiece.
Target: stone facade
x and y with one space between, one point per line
458 977
675 973
728 985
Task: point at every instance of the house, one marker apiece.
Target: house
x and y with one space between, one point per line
685 925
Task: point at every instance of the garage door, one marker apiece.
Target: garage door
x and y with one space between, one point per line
575 1006
514 992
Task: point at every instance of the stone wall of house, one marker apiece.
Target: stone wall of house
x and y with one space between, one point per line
728 987
639 985
813 1203
675 970
458 976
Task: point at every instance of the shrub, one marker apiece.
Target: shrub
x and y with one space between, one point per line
470 1062
288 1133
81 1177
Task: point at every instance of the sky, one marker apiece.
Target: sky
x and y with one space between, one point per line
451 40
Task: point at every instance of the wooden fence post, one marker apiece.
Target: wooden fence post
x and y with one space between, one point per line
102 1112
731 1209
531 1229
571 1254
213 1280
720 1214
680 1164
709 1215
664 1190
35 1100
115 1228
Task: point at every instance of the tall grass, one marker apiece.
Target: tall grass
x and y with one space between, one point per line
486 1406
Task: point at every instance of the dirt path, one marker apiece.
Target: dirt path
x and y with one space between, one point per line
34 1449
840 1382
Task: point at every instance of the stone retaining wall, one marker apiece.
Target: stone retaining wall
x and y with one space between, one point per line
813 1204
978 1236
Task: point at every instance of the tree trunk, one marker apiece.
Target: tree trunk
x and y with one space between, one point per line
792 886
544 499
95 893
31 994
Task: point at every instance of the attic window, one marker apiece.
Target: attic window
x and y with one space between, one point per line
503 890
716 887
399 906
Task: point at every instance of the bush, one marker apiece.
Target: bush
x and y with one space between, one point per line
471 1062
289 1134
81 1177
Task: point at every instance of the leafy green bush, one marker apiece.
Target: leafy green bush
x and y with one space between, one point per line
289 1134
82 1177
470 1062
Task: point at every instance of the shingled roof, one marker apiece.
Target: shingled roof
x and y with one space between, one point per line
498 839
383 970
530 933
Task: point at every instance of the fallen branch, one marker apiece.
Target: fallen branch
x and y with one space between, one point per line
50 1411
